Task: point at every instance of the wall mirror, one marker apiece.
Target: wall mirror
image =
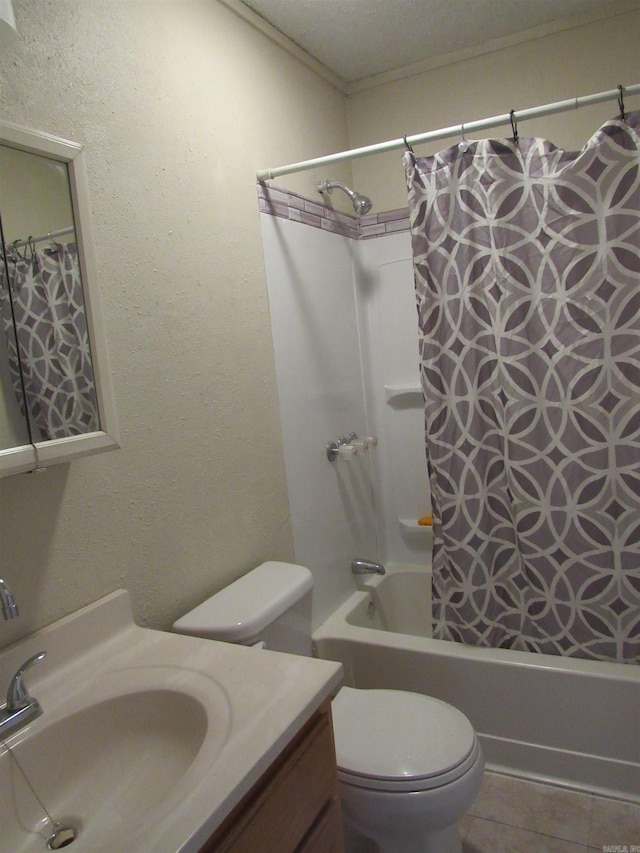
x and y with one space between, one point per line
56 396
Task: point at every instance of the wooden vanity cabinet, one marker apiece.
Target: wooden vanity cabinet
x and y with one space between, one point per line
294 807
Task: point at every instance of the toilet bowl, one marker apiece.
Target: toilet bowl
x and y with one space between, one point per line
409 765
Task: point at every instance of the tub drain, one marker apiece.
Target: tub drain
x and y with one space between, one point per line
61 836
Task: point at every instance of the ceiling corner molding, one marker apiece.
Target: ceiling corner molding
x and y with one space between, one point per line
267 29
607 10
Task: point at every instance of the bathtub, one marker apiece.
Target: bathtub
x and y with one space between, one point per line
573 722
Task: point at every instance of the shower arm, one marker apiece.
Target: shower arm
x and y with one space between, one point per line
361 203
329 186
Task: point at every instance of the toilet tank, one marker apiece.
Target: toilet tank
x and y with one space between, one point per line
270 605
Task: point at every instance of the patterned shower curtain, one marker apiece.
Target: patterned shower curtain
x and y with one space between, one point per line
54 367
527 273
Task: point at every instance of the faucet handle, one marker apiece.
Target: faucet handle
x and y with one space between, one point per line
363 444
18 697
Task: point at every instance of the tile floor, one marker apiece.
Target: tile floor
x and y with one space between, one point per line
515 816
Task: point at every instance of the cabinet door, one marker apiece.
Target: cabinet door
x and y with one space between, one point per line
326 836
295 802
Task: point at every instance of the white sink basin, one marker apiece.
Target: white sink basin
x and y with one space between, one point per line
107 766
101 767
147 739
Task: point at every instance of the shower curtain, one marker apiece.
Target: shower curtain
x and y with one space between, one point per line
527 274
54 362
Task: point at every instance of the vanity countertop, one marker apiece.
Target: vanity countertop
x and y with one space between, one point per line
241 708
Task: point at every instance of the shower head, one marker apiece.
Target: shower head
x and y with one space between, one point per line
361 204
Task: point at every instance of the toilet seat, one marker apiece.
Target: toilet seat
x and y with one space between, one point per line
392 740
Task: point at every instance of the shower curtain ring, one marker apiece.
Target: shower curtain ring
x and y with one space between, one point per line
463 146
409 148
623 115
514 125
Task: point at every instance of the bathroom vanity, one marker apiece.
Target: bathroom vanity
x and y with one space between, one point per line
169 744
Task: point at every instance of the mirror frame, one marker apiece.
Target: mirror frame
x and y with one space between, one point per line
41 454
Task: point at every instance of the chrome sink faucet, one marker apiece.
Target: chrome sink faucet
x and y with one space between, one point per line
8 606
21 708
367 567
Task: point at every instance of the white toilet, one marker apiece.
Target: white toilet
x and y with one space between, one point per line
409 765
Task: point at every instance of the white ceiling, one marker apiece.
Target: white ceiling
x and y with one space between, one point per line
357 39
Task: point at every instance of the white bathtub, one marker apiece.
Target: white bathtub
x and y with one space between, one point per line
572 721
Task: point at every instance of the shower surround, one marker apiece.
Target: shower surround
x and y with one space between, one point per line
332 278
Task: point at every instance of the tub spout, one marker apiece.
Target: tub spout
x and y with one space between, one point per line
367 567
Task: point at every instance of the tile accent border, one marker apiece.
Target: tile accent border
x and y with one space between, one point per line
290 205
387 222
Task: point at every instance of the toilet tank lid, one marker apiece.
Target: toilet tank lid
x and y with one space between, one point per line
242 610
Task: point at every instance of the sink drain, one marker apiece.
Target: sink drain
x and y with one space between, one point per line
61 836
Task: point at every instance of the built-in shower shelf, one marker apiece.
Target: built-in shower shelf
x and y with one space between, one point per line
410 525
403 395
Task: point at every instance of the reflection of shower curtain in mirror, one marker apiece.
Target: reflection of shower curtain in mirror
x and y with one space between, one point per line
51 330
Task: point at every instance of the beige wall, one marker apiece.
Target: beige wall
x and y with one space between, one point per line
178 104
590 58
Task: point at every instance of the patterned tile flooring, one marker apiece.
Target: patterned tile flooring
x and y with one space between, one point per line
515 816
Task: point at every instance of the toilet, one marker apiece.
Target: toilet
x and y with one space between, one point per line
409 765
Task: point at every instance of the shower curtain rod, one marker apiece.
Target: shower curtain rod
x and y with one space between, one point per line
18 244
454 130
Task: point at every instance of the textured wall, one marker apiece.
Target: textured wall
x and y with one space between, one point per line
178 104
